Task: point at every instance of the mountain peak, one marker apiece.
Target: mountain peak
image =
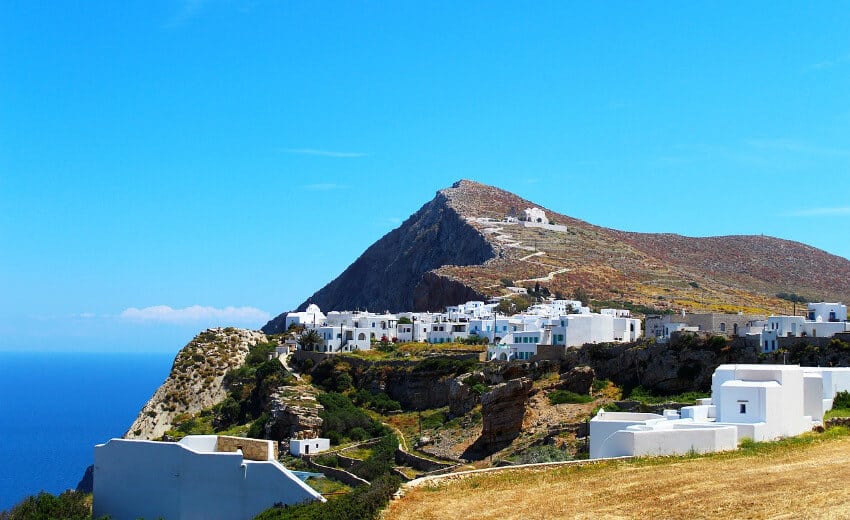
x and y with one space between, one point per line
470 242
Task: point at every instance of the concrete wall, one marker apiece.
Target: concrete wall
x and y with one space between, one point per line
149 479
606 424
683 439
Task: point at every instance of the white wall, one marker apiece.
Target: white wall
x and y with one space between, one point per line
683 439
150 479
300 447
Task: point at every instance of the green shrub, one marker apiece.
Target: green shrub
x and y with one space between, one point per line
363 503
600 384
445 365
842 400
70 505
540 454
565 396
341 419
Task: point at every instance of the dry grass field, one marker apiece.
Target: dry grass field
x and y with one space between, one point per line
806 477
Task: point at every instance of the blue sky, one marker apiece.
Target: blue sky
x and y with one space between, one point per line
170 165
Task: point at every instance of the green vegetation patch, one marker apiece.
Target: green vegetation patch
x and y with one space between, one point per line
644 396
70 505
343 421
565 396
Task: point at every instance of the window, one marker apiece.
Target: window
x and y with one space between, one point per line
722 327
742 407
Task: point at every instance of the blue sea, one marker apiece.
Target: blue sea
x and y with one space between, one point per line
54 407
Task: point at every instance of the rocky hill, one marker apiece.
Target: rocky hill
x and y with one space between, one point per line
460 246
195 381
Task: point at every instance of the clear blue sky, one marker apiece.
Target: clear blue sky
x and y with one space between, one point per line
242 154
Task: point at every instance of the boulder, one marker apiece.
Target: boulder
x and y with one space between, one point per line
578 379
502 411
462 399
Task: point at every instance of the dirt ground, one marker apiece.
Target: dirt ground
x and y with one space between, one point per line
806 481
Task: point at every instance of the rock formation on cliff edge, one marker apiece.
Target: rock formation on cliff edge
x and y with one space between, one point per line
195 381
461 246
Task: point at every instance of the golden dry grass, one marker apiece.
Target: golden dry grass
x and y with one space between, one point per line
797 481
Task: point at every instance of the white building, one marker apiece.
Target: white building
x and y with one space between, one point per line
569 330
823 320
759 402
312 316
298 447
191 479
535 215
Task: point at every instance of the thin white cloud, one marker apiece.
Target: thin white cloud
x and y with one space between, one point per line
323 153
195 314
828 64
820 212
87 315
325 186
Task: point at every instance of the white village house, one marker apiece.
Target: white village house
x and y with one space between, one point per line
758 402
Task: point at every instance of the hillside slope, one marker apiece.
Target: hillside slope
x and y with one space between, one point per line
800 480
459 246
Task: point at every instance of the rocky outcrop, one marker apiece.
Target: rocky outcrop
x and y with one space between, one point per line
502 412
196 379
684 364
577 379
294 413
462 398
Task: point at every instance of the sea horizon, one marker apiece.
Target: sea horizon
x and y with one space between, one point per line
55 406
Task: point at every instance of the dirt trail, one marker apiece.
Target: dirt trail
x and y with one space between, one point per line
808 481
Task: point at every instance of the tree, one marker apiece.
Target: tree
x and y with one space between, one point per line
581 295
404 320
512 305
309 340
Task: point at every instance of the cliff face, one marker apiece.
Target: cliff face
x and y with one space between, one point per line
195 381
460 246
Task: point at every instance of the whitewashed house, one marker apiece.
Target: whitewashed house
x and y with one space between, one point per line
535 215
822 320
312 317
758 402
299 447
201 477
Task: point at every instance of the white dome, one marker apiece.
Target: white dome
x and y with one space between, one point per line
313 309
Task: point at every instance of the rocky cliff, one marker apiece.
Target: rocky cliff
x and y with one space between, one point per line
195 381
461 245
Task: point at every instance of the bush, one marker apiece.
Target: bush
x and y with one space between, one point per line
540 454
842 400
341 419
445 365
70 505
363 503
600 384
565 396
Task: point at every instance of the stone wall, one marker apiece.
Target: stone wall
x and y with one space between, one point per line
252 449
336 473
416 462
